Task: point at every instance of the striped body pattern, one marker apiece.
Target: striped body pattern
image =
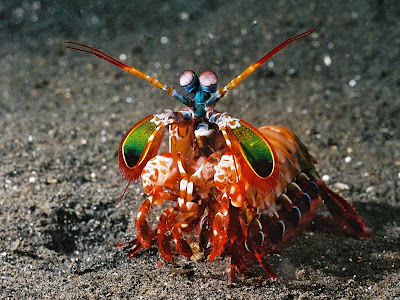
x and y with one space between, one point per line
231 189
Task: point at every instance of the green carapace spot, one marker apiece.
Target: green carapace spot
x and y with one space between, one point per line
255 149
136 141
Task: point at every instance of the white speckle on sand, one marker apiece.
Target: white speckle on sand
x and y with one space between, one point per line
325 178
164 40
327 60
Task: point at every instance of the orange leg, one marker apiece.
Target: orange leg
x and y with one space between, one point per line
188 220
134 244
181 244
167 219
220 228
145 234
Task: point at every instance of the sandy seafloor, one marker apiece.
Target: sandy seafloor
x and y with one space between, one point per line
63 114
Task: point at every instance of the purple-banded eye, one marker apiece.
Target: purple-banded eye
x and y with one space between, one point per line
189 81
208 81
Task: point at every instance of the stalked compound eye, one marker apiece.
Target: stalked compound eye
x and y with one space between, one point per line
189 81
208 81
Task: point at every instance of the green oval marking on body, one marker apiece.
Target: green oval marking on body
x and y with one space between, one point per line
255 149
135 142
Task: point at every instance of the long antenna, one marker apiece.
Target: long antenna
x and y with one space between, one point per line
235 81
153 81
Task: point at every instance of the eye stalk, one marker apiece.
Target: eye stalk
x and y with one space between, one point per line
201 86
208 81
189 81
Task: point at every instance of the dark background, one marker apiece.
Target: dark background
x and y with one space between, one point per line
63 113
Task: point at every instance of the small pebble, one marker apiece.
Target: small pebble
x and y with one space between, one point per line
341 186
14 245
51 180
327 60
349 150
184 15
347 159
325 178
369 189
300 274
164 40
